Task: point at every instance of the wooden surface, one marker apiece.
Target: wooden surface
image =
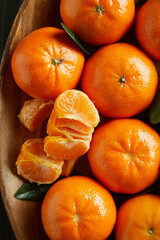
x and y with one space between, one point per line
8 11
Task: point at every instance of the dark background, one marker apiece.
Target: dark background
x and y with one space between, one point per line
8 11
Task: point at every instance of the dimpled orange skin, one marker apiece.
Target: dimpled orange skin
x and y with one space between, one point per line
139 219
120 79
78 208
147 28
35 65
98 22
125 155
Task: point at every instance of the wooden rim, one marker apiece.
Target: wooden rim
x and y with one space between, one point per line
6 54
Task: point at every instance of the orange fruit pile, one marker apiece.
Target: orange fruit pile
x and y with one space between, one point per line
119 80
78 208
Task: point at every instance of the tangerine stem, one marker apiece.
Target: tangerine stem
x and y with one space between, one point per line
100 9
56 62
150 231
77 217
122 80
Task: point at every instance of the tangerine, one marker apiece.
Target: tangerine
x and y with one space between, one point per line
78 208
147 28
139 218
125 155
98 22
124 81
46 63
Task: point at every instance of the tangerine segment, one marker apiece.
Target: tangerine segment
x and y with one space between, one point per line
70 134
63 148
139 218
68 166
74 125
34 112
34 165
43 61
76 105
125 155
68 127
78 208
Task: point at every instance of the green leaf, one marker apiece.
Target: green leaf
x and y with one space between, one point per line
74 37
139 2
155 109
32 191
36 192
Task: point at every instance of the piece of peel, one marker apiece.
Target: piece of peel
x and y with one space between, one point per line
33 113
68 166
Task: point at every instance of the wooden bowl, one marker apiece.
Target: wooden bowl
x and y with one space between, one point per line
24 216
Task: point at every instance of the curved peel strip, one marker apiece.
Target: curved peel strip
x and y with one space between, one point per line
68 166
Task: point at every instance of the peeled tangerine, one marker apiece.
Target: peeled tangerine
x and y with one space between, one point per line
70 126
70 129
34 165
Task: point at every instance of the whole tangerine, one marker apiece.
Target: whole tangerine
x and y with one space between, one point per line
147 28
98 22
120 79
78 208
139 218
46 63
125 155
